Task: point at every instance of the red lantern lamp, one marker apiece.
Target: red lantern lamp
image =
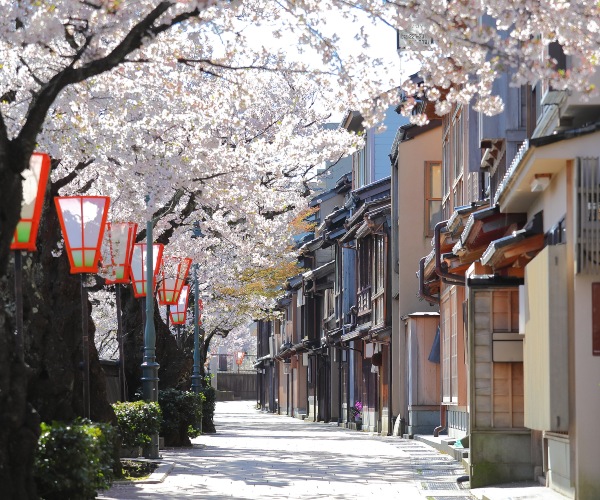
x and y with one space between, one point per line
174 271
116 250
179 312
35 179
82 220
138 267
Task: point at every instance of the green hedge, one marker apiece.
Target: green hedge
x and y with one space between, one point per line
182 416
74 460
138 421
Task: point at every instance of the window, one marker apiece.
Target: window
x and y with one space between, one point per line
446 150
433 195
328 307
379 271
359 165
453 161
365 263
449 345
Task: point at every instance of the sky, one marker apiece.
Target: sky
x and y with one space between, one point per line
382 41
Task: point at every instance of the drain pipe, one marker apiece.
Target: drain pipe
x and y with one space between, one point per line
451 279
442 426
429 298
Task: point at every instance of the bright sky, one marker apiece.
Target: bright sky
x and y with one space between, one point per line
382 41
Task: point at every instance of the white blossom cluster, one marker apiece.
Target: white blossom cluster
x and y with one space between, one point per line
194 104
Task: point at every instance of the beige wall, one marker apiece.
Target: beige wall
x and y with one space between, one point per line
413 244
587 393
553 201
584 370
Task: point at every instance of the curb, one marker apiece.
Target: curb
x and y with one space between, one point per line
158 476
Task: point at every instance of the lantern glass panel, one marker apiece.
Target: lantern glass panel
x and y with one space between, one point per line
34 183
138 266
116 251
174 272
179 312
82 220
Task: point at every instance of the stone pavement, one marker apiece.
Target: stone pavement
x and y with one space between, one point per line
261 455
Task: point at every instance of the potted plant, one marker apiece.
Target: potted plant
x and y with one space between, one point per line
356 411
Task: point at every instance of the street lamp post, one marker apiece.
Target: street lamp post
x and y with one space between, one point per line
34 183
82 220
145 263
147 257
196 383
179 312
116 258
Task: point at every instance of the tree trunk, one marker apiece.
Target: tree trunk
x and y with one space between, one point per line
19 423
175 363
52 309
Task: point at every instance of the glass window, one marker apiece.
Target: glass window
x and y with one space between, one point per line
433 195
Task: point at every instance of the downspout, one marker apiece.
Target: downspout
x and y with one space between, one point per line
348 388
340 419
442 426
422 294
390 391
316 390
451 279
340 385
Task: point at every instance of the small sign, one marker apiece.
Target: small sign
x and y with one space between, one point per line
416 38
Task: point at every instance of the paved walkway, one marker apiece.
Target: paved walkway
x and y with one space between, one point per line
260 455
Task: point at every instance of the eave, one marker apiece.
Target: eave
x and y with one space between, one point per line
543 156
483 227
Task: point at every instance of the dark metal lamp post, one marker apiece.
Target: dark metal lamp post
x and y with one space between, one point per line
82 220
34 183
116 258
196 382
145 262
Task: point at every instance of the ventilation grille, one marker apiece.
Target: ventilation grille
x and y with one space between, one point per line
588 216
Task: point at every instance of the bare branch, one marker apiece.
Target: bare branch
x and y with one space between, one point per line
60 183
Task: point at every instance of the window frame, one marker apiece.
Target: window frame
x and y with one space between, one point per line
429 196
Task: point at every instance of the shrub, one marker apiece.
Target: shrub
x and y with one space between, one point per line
138 421
182 416
74 460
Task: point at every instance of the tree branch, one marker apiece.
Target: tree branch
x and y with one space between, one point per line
70 75
60 183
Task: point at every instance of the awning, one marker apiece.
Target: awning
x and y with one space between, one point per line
351 335
259 362
483 227
459 217
321 271
516 249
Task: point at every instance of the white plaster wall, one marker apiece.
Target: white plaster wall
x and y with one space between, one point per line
553 201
